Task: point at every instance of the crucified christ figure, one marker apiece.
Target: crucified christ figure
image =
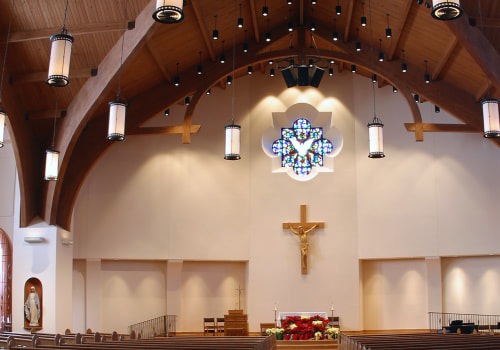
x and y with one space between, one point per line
304 244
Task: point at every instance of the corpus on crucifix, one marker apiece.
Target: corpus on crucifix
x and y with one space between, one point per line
302 229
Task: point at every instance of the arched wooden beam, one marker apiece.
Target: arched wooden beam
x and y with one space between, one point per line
415 111
151 102
188 116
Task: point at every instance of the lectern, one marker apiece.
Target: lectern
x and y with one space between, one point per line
236 323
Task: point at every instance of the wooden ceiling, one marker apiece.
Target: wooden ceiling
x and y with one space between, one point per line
462 56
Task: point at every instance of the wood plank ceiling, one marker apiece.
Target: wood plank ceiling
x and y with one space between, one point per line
460 54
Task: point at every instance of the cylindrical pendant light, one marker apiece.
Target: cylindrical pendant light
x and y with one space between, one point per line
168 11
51 164
60 56
446 9
376 138
2 126
232 142
491 118
116 126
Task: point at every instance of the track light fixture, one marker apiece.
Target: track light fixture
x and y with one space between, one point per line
417 98
168 11
380 53
290 26
374 78
268 33
289 2
265 10
330 71
240 19
353 68
209 91
404 66
167 112
177 79
437 109
215 32
271 72
338 8
313 2
394 89
335 33
358 43
427 76
249 70
229 80
446 9
245 43
363 18
222 57
388 30
186 101
200 67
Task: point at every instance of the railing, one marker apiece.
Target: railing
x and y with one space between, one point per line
485 323
162 326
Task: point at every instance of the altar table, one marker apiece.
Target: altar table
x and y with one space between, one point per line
284 315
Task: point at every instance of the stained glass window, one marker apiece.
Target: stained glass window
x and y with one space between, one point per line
302 147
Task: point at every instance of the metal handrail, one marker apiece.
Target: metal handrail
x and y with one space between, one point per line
162 326
484 323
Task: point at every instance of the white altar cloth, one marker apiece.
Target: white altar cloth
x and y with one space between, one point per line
284 315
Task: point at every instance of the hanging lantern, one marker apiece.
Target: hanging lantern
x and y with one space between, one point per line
116 126
446 9
2 126
491 118
376 138
60 56
232 142
51 164
168 11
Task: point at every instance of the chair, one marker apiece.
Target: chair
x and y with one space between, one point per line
220 325
265 326
209 326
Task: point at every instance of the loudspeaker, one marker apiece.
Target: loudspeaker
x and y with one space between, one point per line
303 75
316 76
289 76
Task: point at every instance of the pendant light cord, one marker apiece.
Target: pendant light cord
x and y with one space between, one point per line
121 54
485 50
55 120
234 62
6 47
371 54
64 21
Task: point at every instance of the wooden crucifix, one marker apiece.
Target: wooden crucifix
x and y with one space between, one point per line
302 229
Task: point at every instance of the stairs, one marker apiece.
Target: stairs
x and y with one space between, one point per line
306 344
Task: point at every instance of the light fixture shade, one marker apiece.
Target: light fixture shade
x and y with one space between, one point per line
2 126
116 126
60 57
338 10
335 36
491 118
388 32
446 10
240 22
233 133
168 11
51 164
363 21
265 11
271 72
376 138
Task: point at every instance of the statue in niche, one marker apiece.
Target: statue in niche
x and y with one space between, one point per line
32 308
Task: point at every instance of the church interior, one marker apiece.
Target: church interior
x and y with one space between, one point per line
269 156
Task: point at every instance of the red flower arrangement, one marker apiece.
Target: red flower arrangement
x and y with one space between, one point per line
303 327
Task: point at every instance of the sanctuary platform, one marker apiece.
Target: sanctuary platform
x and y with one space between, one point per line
306 344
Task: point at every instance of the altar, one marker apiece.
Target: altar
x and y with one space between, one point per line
284 315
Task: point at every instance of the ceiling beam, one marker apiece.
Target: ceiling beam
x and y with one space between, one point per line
433 127
479 47
75 30
254 21
167 130
396 37
348 19
488 22
40 77
436 74
301 12
158 60
85 102
203 29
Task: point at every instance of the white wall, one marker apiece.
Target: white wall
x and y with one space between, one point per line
7 186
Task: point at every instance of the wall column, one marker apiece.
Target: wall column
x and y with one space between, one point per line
93 295
434 286
173 287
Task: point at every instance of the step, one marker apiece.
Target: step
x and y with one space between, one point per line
306 344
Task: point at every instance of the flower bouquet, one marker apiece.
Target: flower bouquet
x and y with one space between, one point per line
332 332
304 327
276 331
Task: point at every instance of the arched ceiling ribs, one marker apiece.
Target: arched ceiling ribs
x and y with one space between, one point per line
348 19
301 12
204 33
82 105
396 35
188 117
153 101
415 111
473 40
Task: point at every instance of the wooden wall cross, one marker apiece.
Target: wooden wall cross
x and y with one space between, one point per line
302 229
